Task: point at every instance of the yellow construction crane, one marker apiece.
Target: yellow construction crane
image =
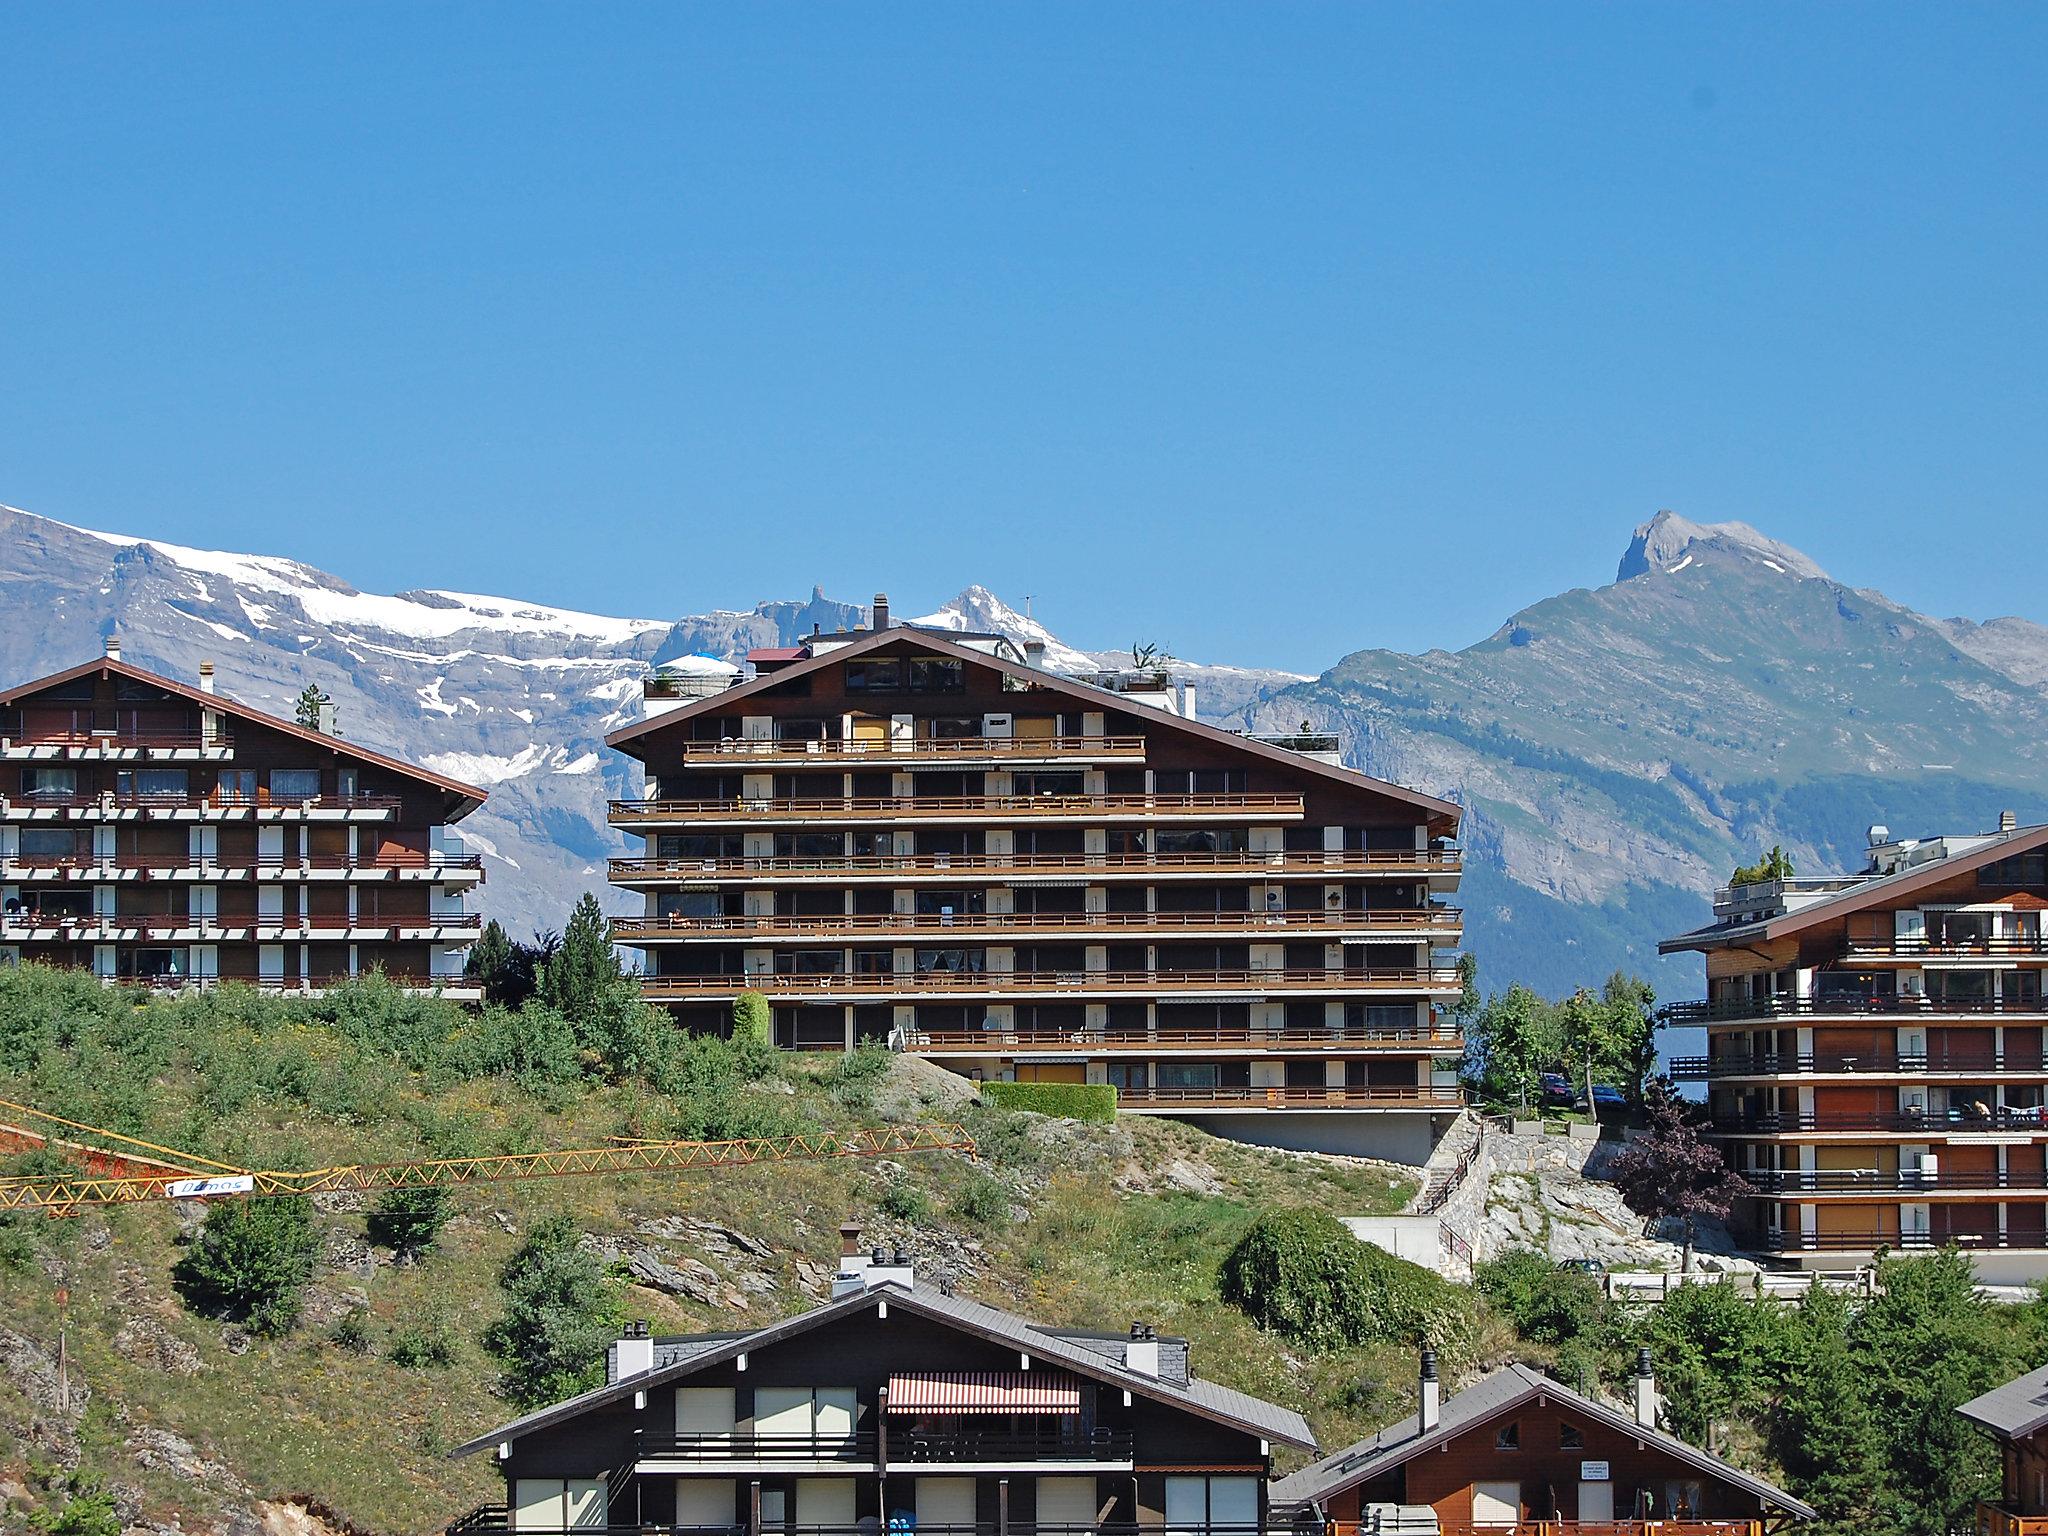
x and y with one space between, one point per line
135 1171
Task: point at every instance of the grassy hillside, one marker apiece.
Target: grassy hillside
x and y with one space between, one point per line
188 1417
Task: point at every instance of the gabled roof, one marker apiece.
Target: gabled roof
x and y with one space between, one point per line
227 706
1205 1398
1099 698
1479 1404
2015 1410
1871 892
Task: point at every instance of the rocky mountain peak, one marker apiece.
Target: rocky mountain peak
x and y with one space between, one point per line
977 610
1666 543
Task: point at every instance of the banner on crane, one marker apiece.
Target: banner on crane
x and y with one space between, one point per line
220 1184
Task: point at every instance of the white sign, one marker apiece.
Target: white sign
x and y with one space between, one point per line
1593 1472
220 1184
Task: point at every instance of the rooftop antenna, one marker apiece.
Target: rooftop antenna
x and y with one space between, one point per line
1028 597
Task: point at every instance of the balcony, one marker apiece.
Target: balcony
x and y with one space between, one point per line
1699 1069
1440 925
1998 1520
1951 1122
213 928
957 809
949 751
1911 1242
1180 1100
458 987
1912 951
1023 869
983 1042
492 1520
853 1448
195 807
1744 1009
1229 986
1912 1182
436 869
172 745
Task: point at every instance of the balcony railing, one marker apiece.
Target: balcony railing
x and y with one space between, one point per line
893 808
89 866
1307 865
107 927
1383 1097
1049 983
1049 1443
945 749
748 1445
1911 1181
457 985
980 1042
1865 1240
15 743
1724 1010
1997 1520
858 927
1949 949
86 804
1696 1069
492 1520
1951 1122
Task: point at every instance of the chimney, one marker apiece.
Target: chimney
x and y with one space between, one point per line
113 647
2008 821
1141 1352
1187 700
634 1353
206 677
1429 1408
884 1269
1034 655
1646 1390
329 720
853 1263
881 610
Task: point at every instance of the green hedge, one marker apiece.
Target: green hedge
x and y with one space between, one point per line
1076 1101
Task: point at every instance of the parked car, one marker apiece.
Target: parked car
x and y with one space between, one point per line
1607 1096
1556 1089
1584 1266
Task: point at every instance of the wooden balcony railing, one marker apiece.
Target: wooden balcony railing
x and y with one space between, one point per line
1696 1069
860 927
26 927
1951 1122
1938 949
1735 1010
1048 983
75 866
1908 1181
945 749
1864 1240
750 1445
1997 1520
891 808
913 867
167 738
981 1042
294 985
1418 1097
20 806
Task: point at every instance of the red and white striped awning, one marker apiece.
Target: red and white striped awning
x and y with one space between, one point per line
984 1392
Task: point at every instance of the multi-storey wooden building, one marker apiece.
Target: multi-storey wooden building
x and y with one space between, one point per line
164 834
896 1406
899 835
1874 1050
2015 1415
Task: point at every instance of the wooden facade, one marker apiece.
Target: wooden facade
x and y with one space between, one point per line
898 836
1875 1051
2015 1415
161 834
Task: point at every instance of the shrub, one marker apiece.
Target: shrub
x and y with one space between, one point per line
87 1510
407 1221
906 1202
1302 1275
250 1261
560 1317
350 1335
425 1344
1073 1101
753 1022
982 1200
1547 1305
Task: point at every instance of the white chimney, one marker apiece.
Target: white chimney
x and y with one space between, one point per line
206 677
1187 699
635 1351
1646 1390
1034 655
329 719
1429 1408
1141 1351
113 647
889 1269
2008 821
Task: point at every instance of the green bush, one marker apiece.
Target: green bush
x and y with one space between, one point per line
427 1344
408 1221
561 1315
350 1335
753 1021
982 1200
906 1202
250 1261
1547 1305
1302 1275
1073 1101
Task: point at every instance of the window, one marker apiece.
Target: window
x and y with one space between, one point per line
1204 840
1570 1437
295 784
236 786
699 845
1187 1074
882 674
1198 1504
149 781
811 962
810 845
933 674
49 783
52 843
556 1504
966 962
797 729
1048 783
1508 1437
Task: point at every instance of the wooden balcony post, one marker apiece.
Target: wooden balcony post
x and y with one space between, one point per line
1002 1507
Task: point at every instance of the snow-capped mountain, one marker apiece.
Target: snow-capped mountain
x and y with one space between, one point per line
515 697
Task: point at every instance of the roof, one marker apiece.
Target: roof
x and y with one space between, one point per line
622 739
2013 1411
1483 1401
1871 892
229 706
1206 1398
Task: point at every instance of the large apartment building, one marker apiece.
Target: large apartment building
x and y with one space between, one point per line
905 836
1874 1061
161 833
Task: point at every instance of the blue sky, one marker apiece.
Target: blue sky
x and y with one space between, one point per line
1269 332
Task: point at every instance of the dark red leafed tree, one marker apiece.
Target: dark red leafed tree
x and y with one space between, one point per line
1671 1169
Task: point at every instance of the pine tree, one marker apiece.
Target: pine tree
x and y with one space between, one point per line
310 702
577 979
490 960
560 1317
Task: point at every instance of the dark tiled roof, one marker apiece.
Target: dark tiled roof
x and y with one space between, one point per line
2014 1410
1486 1399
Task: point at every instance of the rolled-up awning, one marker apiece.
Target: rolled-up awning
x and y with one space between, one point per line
984 1392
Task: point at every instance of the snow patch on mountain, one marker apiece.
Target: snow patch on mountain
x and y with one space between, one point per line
1667 543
